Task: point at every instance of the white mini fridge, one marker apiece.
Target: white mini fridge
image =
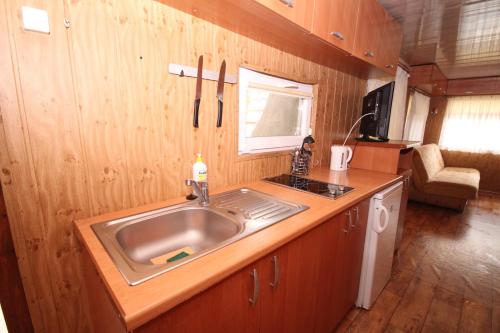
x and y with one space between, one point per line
379 244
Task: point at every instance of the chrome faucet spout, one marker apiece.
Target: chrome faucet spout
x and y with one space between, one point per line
201 190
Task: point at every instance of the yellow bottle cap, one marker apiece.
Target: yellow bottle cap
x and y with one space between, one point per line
199 158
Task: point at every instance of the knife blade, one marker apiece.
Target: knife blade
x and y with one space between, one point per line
197 98
220 92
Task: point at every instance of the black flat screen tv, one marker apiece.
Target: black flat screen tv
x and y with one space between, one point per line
377 103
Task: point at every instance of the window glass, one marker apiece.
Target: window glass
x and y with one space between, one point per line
274 112
472 124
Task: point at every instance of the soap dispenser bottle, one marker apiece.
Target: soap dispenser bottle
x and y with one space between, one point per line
199 169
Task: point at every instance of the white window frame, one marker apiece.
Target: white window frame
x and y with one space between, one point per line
252 79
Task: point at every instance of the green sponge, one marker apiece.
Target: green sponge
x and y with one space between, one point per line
178 256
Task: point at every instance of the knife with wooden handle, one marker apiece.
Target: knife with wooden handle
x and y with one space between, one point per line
197 98
220 92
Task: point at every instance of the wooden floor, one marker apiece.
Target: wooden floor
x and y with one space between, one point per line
447 278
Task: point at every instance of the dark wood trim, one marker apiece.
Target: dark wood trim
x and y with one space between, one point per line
490 193
428 78
12 298
423 92
404 65
474 86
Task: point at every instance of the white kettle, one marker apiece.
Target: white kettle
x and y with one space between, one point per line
341 155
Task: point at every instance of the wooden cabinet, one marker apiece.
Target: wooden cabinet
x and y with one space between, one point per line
331 262
362 28
299 12
391 40
335 22
369 29
393 156
307 285
322 31
378 36
224 307
402 210
355 249
341 267
283 287
290 306
319 276
274 308
428 78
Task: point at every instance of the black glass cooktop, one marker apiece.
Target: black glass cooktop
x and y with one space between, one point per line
331 191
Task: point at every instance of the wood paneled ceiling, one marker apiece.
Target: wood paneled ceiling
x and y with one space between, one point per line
461 36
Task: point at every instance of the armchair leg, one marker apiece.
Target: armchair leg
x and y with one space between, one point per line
461 206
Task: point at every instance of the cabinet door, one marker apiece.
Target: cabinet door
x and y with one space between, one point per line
224 307
342 269
356 248
299 12
291 307
335 22
391 40
341 281
402 210
327 304
369 29
275 269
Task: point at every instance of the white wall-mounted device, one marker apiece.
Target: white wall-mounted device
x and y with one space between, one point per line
35 19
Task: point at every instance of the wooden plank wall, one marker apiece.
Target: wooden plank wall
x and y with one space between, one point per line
487 164
437 110
91 122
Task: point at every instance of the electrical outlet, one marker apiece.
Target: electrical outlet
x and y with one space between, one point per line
35 19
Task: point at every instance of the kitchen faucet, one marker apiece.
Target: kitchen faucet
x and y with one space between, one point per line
201 190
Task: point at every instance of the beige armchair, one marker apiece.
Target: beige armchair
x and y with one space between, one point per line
436 184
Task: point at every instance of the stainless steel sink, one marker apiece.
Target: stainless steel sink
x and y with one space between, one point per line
148 244
196 228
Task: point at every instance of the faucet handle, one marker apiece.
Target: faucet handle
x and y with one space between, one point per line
191 195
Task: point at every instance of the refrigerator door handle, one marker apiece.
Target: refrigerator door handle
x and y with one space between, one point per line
377 225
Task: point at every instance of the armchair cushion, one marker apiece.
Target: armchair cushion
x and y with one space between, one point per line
454 182
427 162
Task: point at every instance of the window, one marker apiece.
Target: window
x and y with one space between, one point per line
274 113
472 124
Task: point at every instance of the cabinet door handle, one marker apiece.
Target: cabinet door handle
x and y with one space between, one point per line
391 66
356 209
351 225
337 34
369 54
289 3
256 287
276 266
348 213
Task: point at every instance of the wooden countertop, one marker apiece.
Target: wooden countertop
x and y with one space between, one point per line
139 304
399 144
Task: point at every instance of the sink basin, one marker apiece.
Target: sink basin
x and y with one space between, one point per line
145 245
191 227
